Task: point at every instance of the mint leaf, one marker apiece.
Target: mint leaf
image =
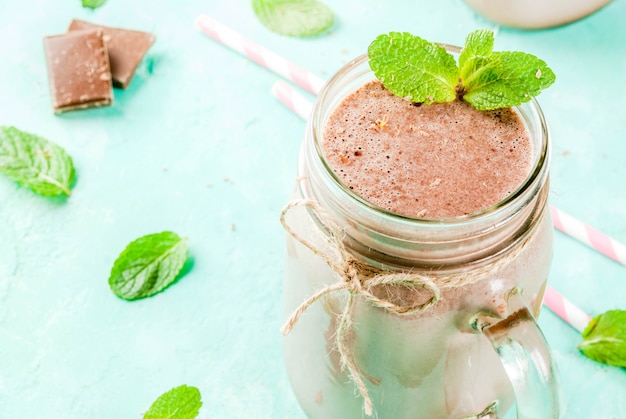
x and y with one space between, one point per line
413 68
294 17
491 80
506 79
422 71
604 338
476 62
182 402
477 44
148 265
35 162
93 4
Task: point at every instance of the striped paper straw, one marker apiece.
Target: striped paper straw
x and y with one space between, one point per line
291 98
259 54
565 309
588 235
287 95
561 306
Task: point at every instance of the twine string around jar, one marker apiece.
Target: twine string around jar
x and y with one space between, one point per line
358 278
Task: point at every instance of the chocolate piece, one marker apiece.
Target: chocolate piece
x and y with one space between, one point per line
78 70
126 49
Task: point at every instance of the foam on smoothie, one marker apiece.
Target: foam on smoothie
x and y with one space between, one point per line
429 161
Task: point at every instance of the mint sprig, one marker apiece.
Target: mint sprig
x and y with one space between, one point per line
182 402
294 17
604 338
35 162
423 71
148 265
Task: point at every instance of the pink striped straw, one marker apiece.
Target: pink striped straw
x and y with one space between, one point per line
588 235
561 306
565 309
259 54
291 98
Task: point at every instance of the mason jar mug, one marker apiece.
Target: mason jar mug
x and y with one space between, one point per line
401 317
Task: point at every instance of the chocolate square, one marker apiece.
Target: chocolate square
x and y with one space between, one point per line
78 70
126 49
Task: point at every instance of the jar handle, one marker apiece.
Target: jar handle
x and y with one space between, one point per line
524 353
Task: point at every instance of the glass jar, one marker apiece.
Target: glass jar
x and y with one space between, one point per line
421 344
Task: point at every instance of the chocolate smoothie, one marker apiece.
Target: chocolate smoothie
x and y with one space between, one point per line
428 161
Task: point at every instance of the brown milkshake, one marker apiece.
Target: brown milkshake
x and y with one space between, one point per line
428 161
473 185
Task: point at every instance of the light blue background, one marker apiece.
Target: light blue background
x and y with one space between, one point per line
199 146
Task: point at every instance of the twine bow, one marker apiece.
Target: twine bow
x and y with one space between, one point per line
355 278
